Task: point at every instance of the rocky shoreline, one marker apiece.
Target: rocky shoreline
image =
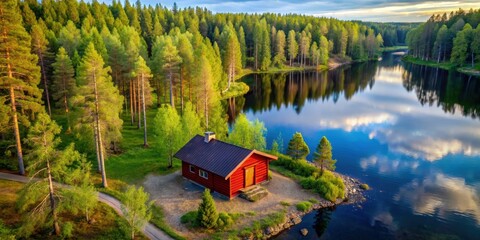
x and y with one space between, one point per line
353 195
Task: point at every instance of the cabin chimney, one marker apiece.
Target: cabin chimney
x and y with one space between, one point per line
209 136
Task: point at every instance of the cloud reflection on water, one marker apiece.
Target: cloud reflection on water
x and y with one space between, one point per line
439 194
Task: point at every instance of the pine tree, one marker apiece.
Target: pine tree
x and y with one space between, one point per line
136 208
297 148
100 104
231 53
475 45
40 47
167 61
207 211
292 46
323 50
63 81
190 123
42 138
168 131
323 155
460 45
243 46
142 73
19 73
280 42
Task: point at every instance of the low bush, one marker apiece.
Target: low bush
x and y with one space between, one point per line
304 206
298 167
284 203
313 200
364 186
224 220
328 185
190 219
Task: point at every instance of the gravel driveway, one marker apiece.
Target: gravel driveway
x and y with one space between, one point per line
178 196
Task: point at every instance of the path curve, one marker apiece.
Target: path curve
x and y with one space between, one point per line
150 231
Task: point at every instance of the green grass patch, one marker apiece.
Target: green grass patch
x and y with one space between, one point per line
136 161
236 89
442 65
158 219
304 206
313 200
285 203
108 224
327 185
394 48
256 229
470 71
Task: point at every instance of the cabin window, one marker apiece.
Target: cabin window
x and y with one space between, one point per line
192 169
203 174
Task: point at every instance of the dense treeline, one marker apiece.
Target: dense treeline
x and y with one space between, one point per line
394 34
453 38
96 61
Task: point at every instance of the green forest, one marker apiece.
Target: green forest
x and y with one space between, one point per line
92 93
95 67
452 38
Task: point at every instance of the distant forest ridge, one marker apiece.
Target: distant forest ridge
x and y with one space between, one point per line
448 38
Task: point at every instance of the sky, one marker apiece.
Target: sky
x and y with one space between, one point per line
365 10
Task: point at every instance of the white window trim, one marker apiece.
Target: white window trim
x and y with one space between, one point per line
190 168
203 174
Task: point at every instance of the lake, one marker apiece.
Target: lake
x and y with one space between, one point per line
410 132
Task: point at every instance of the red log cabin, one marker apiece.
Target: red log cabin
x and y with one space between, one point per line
222 167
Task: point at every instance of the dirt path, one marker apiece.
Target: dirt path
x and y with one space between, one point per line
178 196
149 231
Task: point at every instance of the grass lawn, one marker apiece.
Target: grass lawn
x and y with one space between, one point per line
136 161
442 65
108 225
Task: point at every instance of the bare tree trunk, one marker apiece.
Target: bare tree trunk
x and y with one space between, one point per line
16 131
131 103
439 54
97 148
99 133
256 56
145 142
134 91
181 90
56 227
473 63
139 94
172 100
45 83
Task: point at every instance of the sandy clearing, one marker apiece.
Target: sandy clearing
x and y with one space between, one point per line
178 196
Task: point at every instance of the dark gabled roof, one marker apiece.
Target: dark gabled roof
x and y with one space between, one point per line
215 156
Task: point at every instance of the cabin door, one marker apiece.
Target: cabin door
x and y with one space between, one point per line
249 176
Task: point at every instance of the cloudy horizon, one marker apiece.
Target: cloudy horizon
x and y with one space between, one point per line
364 10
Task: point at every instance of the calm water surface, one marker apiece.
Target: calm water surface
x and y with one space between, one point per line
412 133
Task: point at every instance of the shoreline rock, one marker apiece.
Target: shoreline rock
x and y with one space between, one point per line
353 195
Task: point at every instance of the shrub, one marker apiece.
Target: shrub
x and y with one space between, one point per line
67 230
299 167
284 203
328 185
190 218
364 186
304 206
313 200
224 220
